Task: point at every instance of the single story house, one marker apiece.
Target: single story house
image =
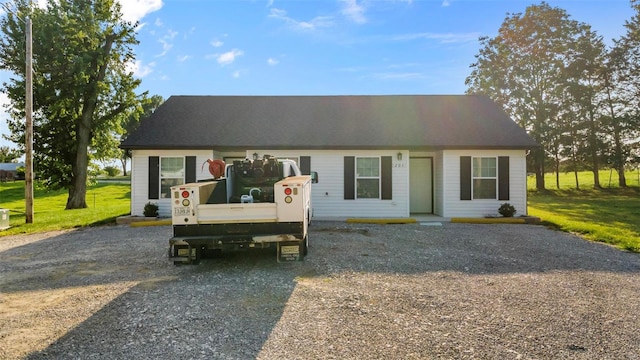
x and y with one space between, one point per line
376 156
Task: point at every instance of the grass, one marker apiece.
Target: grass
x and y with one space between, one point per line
105 203
610 215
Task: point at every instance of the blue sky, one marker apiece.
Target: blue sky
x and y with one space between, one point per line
332 47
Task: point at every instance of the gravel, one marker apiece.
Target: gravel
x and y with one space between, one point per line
456 291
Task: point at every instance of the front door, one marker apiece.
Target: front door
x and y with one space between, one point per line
421 185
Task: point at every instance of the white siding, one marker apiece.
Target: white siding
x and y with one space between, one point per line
328 194
438 171
140 177
454 207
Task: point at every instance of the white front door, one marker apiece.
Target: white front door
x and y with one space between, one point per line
421 185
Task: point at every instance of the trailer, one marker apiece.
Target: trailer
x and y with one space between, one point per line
254 204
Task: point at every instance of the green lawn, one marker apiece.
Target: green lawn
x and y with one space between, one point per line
105 203
610 215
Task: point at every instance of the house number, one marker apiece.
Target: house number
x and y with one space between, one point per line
399 165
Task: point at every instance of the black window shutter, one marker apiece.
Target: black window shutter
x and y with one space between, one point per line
349 178
465 177
154 177
503 178
305 165
190 169
386 172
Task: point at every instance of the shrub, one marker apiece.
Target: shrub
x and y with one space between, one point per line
150 210
507 210
112 171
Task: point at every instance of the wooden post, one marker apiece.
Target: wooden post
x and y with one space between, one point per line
28 178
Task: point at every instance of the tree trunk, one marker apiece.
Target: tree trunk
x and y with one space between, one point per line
539 166
622 179
596 177
575 168
557 165
619 158
123 161
78 189
596 169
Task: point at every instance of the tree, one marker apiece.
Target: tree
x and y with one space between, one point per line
522 69
81 84
622 94
8 155
584 88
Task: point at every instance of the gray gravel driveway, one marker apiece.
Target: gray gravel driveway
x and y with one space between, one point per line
456 291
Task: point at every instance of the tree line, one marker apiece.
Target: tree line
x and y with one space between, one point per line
577 97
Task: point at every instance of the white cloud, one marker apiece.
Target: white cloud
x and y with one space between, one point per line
171 35
272 61
446 3
165 41
353 11
228 57
236 74
183 58
442 37
138 69
158 22
166 46
315 23
134 10
216 43
399 76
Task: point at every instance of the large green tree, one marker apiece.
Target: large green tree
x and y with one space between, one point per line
522 69
622 95
584 89
81 83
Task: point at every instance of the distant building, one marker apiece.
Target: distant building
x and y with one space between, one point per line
9 171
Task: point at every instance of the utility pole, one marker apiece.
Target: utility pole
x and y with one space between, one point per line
28 163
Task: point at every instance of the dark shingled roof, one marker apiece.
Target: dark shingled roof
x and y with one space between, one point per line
323 122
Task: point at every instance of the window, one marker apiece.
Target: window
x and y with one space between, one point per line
485 178
368 177
171 174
